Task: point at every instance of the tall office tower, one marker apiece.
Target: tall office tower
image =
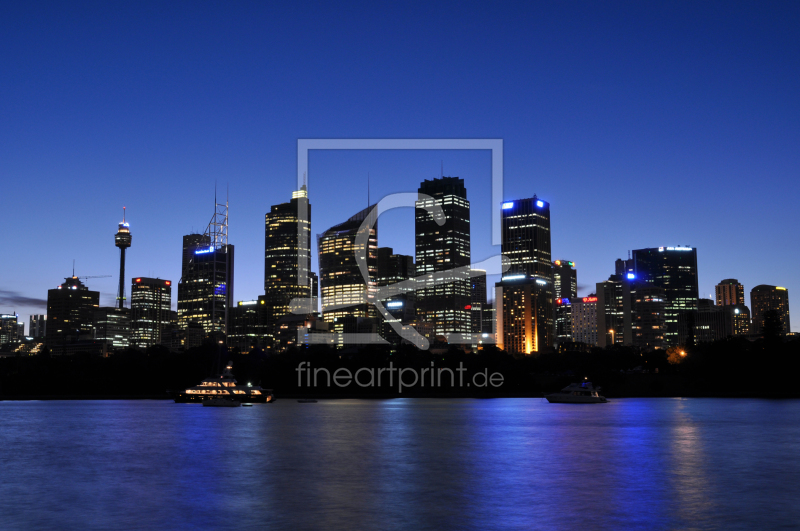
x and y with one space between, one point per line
247 325
8 328
648 318
205 291
394 268
20 331
729 293
112 325
613 312
584 320
525 321
674 269
344 290
446 306
287 256
565 286
70 309
565 280
479 301
151 301
36 326
739 318
764 298
122 239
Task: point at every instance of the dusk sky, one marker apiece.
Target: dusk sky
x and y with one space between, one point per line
643 125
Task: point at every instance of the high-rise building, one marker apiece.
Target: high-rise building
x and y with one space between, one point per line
36 326
673 269
525 321
565 280
613 312
648 316
70 309
563 320
765 298
205 291
739 318
112 325
151 309
287 257
344 290
20 331
730 293
122 240
392 269
479 302
584 320
8 328
443 249
705 324
248 321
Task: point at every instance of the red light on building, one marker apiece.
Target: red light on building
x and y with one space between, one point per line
138 280
589 299
559 301
468 307
167 282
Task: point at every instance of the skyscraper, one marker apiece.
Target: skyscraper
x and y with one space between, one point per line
673 269
70 309
287 256
648 316
613 312
729 293
36 326
8 328
584 320
344 290
565 288
205 291
525 322
112 325
440 248
765 298
151 309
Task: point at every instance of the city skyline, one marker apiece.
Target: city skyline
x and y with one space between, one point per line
684 116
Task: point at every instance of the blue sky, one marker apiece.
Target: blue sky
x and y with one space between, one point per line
643 124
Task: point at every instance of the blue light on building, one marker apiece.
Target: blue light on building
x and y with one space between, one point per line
506 206
540 204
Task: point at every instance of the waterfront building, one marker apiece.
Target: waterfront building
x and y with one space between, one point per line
287 259
584 320
673 269
344 290
151 310
113 326
37 326
70 309
443 248
524 296
648 316
613 312
205 290
765 298
8 328
729 293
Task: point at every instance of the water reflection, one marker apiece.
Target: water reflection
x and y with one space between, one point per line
401 464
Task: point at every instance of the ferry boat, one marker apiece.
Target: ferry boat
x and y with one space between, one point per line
582 393
224 386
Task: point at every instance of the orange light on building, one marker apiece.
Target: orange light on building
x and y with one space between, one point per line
138 280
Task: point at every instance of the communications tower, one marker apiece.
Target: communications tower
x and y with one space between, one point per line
122 239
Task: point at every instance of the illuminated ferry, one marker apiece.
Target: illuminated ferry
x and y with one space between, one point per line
224 386
582 393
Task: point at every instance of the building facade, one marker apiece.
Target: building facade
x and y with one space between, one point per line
526 323
70 313
151 310
440 249
37 326
113 326
613 312
584 320
765 298
729 293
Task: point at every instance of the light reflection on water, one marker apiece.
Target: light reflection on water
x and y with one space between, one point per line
401 464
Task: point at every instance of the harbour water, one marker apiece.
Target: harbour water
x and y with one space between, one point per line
401 464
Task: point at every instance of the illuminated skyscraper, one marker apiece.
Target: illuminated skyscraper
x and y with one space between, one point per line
525 323
287 258
112 325
673 269
8 328
205 291
479 302
344 290
565 289
613 312
446 306
766 298
584 320
70 312
151 302
729 293
122 239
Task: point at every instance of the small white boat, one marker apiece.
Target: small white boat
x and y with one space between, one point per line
582 393
221 402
